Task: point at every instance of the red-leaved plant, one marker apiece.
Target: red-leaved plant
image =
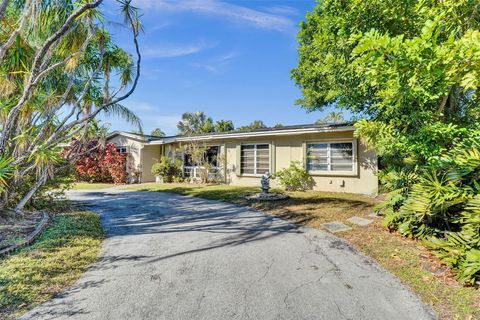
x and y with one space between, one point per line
100 163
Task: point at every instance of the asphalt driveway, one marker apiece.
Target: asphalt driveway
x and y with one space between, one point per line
174 257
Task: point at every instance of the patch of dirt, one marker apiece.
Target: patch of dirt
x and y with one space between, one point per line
15 227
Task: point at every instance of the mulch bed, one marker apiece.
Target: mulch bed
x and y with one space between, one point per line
16 227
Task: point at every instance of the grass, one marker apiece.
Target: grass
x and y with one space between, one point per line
67 247
408 259
91 186
15 228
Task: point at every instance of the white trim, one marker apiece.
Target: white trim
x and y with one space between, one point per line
255 144
128 135
329 164
240 135
127 149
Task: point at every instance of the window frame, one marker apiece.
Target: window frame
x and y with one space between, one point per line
118 148
255 144
329 171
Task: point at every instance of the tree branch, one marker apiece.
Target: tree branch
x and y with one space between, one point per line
6 133
14 34
3 8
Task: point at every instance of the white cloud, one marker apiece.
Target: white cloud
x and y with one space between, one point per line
167 123
159 26
139 107
217 64
282 10
170 50
152 117
266 20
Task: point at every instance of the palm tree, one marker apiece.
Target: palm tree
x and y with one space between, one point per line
51 90
157 132
256 124
224 126
195 123
332 118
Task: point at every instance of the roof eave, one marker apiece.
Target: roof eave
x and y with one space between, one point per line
128 135
240 135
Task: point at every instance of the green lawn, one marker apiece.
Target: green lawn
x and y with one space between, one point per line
406 258
91 186
68 246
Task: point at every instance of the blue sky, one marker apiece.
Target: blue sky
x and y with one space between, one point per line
230 59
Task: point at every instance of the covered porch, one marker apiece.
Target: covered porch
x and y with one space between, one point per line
199 162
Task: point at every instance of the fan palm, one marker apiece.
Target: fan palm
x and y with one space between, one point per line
224 126
194 123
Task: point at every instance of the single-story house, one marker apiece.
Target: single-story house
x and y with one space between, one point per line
332 155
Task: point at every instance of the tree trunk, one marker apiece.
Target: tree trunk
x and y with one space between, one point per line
3 8
40 182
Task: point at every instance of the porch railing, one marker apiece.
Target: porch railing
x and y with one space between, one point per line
193 172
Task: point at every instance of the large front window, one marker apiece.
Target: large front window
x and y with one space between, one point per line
330 157
255 158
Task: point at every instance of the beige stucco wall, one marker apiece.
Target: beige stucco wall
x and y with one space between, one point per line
150 155
285 149
140 158
133 157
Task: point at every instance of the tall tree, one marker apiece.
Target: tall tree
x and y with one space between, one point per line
256 124
195 123
332 118
157 132
224 126
410 67
56 62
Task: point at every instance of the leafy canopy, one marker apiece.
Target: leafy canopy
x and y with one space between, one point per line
157 132
199 123
411 70
59 69
413 66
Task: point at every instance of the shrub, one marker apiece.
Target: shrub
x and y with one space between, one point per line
115 163
440 204
295 177
99 163
168 169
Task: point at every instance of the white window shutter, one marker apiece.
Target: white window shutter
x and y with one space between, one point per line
304 158
238 156
272 157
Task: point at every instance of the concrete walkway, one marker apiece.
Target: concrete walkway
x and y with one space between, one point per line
173 257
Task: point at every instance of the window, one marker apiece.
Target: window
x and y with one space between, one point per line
255 158
330 157
122 150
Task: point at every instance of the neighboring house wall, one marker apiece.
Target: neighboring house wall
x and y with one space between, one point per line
140 158
133 156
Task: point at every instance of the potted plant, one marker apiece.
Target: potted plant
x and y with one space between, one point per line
163 170
157 170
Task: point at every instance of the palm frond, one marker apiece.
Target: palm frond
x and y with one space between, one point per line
6 171
124 113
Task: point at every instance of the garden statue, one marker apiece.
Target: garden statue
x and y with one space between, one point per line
266 182
265 195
